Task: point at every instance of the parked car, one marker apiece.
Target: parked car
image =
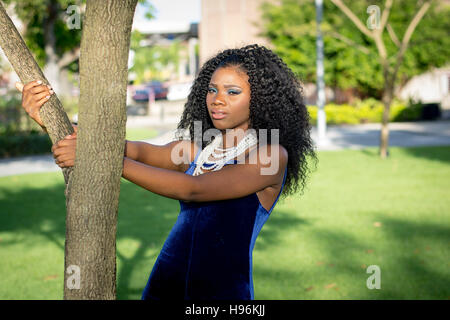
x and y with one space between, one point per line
179 91
159 88
142 93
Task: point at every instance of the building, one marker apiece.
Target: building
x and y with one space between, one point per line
228 24
163 34
429 87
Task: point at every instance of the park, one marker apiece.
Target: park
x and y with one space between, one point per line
370 222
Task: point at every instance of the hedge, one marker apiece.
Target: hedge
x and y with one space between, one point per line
367 111
24 143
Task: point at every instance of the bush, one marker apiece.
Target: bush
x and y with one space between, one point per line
10 112
24 143
369 111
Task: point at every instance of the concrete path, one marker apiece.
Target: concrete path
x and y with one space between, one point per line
406 134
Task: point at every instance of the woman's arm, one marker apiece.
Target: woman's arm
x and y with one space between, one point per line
233 181
171 156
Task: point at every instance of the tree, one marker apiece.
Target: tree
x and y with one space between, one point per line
55 44
390 64
355 59
151 61
53 33
92 187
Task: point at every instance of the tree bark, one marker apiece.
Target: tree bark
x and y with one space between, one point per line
94 193
384 133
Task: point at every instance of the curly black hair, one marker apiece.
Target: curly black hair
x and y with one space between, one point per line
276 102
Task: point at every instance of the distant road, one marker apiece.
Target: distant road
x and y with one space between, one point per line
404 134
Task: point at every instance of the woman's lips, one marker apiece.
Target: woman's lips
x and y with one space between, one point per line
218 115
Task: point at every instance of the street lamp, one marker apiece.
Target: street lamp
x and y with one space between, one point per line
321 117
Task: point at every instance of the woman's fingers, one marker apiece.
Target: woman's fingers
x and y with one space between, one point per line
43 100
40 96
19 86
32 84
64 151
41 88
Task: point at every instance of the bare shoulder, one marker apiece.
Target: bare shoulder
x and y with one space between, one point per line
185 151
274 156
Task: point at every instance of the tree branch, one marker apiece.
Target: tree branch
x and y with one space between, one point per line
385 15
52 113
69 57
353 18
409 31
393 35
348 41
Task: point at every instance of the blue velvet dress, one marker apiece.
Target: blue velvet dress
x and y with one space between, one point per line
208 253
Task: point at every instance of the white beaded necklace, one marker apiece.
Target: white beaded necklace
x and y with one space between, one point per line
203 163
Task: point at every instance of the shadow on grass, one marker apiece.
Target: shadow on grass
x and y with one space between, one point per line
422 242
435 153
146 219
413 258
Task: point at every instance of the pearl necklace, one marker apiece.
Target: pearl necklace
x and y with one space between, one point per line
203 163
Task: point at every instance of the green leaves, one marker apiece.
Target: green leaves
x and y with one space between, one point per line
351 58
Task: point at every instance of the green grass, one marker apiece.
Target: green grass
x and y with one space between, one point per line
136 134
357 211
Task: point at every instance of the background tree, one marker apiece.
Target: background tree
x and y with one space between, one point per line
92 190
151 62
51 35
376 61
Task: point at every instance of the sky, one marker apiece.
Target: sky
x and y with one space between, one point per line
168 13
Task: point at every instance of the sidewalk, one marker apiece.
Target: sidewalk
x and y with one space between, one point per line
404 134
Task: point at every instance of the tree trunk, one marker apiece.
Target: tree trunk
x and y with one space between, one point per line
94 194
384 133
92 187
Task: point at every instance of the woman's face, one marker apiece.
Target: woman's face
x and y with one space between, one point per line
228 99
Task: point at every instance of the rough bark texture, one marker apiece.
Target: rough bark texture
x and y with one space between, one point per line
94 193
52 113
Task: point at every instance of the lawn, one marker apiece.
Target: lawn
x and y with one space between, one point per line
356 211
135 134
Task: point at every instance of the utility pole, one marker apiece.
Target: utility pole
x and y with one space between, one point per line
321 117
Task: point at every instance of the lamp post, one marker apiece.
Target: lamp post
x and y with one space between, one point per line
321 117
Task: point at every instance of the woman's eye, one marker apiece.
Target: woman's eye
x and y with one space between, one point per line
232 92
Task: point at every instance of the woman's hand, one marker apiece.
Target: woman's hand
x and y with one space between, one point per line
34 95
64 150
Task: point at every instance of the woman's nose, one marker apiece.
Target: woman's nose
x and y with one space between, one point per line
218 99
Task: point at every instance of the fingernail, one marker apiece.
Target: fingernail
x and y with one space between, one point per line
47 97
39 82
